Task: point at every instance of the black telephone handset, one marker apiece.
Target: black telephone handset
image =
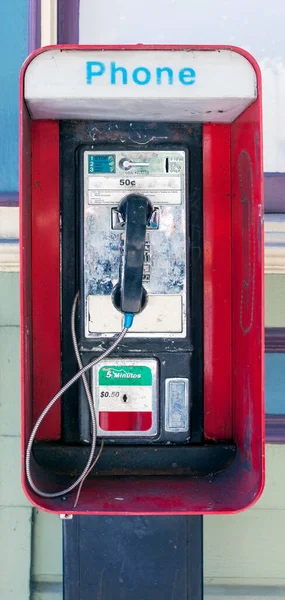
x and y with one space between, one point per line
129 295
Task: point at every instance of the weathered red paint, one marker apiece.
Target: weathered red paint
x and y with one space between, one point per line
217 282
46 273
234 264
25 205
247 301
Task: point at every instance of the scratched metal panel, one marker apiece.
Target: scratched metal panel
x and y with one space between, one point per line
102 254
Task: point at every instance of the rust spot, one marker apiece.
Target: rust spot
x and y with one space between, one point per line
37 184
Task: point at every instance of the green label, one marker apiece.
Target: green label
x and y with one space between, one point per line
101 163
125 375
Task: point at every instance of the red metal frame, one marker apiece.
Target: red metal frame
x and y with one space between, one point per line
248 269
217 282
46 273
233 352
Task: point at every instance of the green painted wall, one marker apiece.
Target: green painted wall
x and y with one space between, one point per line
274 300
15 511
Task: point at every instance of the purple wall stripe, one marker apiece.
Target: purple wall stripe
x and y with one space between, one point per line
274 192
34 25
275 429
68 21
275 339
9 199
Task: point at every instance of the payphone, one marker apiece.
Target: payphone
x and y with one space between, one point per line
136 263
141 261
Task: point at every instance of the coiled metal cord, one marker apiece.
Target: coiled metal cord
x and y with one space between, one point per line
81 373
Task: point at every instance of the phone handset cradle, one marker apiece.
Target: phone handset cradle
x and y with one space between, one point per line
129 295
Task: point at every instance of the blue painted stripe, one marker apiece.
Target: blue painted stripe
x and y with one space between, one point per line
13 50
275 383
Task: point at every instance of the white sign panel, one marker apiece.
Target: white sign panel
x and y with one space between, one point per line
198 85
107 189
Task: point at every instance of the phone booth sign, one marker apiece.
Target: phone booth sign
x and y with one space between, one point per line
141 202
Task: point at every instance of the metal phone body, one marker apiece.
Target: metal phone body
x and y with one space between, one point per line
108 176
177 409
132 410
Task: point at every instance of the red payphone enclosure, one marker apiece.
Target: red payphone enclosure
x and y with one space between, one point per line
233 284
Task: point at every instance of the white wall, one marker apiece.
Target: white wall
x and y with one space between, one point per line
256 25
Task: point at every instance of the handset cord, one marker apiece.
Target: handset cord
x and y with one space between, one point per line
81 373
